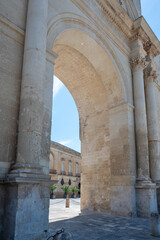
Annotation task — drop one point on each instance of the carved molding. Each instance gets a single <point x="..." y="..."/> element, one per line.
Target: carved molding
<point x="150" y="73"/>
<point x="119" y="20"/>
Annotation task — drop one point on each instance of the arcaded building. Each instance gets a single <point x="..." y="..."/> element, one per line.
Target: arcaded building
<point x="108" y="57"/>
<point x="65" y="168"/>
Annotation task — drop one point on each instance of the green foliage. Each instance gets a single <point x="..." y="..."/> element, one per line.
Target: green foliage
<point x="74" y="190"/>
<point x="66" y="189"/>
<point x="53" y="188"/>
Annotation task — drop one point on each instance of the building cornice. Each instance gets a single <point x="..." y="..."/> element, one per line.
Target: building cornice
<point x="63" y="148"/>
<point x="113" y="12"/>
<point x="142" y="30"/>
<point x="116" y="15"/>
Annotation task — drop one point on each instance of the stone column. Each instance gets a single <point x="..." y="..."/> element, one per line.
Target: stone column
<point x="26" y="206"/>
<point x="31" y="101"/>
<point x="47" y="111"/>
<point x="145" y="189"/>
<point x="138" y="64"/>
<point x="152" y="118"/>
<point x="153" y="128"/>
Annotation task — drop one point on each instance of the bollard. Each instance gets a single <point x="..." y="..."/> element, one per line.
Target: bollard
<point x="67" y="202"/>
<point x="155" y="224"/>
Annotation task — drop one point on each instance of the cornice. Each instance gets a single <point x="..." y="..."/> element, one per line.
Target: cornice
<point x="122" y="106"/>
<point x="116" y="15"/>
<point x="130" y="30"/>
<point x="10" y="30"/>
<point x="58" y="146"/>
<point x="141" y="30"/>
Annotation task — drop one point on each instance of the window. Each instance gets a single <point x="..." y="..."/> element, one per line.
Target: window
<point x="51" y="158"/>
<point x="62" y="167"/>
<point x="76" y="169"/>
<point x="70" y="169"/>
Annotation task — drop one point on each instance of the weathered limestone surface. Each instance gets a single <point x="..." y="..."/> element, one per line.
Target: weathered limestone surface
<point x="11" y="56"/>
<point x="89" y="46"/>
<point x="122" y="155"/>
<point x="26" y="211"/>
<point x="47" y="112"/>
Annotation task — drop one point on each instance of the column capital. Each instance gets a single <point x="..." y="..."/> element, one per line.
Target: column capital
<point x="150" y="74"/>
<point x="139" y="62"/>
<point x="150" y="71"/>
<point x="150" y="49"/>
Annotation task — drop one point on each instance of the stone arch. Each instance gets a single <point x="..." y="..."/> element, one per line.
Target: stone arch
<point x="90" y="69"/>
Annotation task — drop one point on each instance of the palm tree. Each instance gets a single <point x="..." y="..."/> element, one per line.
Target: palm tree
<point x="66" y="190"/>
<point x="53" y="188"/>
<point x="74" y="190"/>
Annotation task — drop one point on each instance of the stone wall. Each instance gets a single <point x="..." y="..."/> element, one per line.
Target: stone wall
<point x="11" y="58"/>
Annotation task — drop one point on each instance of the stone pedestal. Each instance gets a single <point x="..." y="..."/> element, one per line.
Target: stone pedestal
<point x="158" y="195"/>
<point x="26" y="207"/>
<point x="146" y="198"/>
<point x="155" y="225"/>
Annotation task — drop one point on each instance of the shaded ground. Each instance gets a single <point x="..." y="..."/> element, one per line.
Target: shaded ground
<point x="96" y="226"/>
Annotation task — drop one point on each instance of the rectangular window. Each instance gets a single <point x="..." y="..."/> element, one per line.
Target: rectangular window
<point x="62" y="167"/>
<point x="76" y="169"/>
<point x="70" y="168"/>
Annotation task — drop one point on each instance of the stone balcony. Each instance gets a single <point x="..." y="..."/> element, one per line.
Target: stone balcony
<point x="70" y="174"/>
<point x="53" y="171"/>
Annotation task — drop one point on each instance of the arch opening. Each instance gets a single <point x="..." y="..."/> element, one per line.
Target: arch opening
<point x="91" y="76"/>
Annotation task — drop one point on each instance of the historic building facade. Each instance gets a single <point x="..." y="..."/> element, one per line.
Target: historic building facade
<point x="108" y="57"/>
<point x="65" y="167"/>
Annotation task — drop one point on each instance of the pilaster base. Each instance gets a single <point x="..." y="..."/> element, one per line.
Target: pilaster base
<point x="26" y="207"/>
<point x="155" y="225"/>
<point x="146" y="199"/>
<point x="158" y="195"/>
<point x="123" y="201"/>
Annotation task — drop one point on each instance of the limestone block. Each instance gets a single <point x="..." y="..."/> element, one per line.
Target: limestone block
<point x="26" y="211"/>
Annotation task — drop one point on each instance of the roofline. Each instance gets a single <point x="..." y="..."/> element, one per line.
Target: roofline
<point x="64" y="148"/>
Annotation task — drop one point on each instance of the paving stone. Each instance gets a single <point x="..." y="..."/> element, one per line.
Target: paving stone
<point x="96" y="226"/>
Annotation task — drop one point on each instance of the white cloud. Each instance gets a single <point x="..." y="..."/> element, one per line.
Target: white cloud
<point x="65" y="142"/>
<point x="57" y="86"/>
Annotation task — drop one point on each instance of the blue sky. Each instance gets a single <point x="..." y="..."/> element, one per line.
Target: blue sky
<point x="65" y="119"/>
<point x="151" y="12"/>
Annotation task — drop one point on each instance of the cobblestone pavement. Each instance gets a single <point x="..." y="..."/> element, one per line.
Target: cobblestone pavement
<point x="96" y="226"/>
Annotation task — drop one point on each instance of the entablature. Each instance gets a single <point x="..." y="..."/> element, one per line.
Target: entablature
<point x="113" y="12"/>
